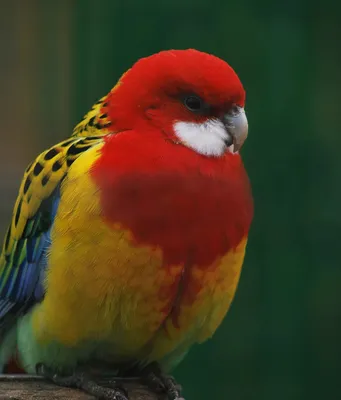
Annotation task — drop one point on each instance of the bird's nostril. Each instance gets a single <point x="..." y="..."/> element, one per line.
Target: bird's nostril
<point x="235" y="110"/>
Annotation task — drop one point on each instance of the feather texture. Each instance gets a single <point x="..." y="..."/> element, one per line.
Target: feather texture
<point x="23" y="257"/>
<point x="96" y="122"/>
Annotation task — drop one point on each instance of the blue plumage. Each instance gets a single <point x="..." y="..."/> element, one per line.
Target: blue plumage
<point x="22" y="284"/>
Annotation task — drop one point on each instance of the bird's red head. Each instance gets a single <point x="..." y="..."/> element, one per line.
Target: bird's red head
<point x="192" y="97"/>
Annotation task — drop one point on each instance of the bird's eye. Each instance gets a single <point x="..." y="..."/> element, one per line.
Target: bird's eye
<point x="193" y="103"/>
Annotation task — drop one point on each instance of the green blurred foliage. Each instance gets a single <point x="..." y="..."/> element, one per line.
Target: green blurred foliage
<point x="280" y="339"/>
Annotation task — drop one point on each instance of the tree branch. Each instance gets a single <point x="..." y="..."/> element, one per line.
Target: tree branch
<point x="23" y="387"/>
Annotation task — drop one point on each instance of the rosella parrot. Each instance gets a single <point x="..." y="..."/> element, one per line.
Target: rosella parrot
<point x="127" y="239"/>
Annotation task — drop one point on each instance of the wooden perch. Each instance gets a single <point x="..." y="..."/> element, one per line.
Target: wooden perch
<point x="28" y="387"/>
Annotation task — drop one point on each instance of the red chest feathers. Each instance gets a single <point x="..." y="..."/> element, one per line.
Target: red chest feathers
<point x="192" y="207"/>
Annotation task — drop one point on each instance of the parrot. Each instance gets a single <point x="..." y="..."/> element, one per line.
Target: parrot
<point x="127" y="239"/>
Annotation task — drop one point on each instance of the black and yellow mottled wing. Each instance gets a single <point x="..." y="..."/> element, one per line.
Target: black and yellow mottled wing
<point x="96" y="122"/>
<point x="23" y="258"/>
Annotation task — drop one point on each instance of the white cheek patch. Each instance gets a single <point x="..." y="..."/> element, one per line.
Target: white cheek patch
<point x="206" y="138"/>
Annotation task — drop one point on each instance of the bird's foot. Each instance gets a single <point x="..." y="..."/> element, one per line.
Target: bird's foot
<point x="84" y="382"/>
<point x="156" y="380"/>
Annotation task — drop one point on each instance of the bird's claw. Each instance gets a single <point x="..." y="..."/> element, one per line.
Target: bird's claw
<point x="160" y="382"/>
<point x="85" y="383"/>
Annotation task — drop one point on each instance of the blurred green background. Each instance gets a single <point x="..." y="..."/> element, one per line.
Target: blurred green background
<point x="281" y="338"/>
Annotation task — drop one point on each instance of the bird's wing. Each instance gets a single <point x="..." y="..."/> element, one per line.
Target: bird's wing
<point x="23" y="259"/>
<point x="96" y="122"/>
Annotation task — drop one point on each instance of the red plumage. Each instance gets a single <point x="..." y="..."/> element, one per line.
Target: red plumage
<point x="171" y="197"/>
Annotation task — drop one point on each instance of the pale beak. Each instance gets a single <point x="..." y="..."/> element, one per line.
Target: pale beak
<point x="236" y="126"/>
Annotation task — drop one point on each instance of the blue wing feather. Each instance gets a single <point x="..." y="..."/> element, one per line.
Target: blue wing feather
<point x="24" y="284"/>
